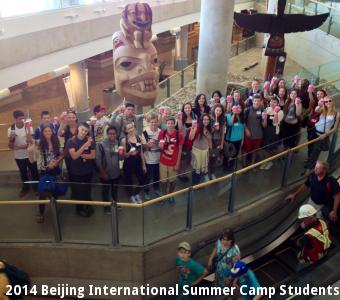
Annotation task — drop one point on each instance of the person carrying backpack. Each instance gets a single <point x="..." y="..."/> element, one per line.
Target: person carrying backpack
<point x="324" y="192"/>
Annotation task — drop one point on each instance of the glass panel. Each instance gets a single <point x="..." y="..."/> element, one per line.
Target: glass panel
<point x="77" y="223"/>
<point x="256" y="183"/>
<point x="162" y="93"/>
<point x="175" y="83"/>
<point x="165" y="218"/>
<point x="211" y="201"/>
<point x="188" y="74"/>
<point x="130" y="226"/>
<point x="19" y="223"/>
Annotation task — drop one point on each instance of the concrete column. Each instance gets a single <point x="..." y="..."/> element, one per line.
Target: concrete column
<point x="79" y="88"/>
<point x="216" y="25"/>
<point x="181" y="59"/>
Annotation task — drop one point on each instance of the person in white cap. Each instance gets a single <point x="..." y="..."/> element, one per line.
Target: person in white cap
<point x="316" y="240"/>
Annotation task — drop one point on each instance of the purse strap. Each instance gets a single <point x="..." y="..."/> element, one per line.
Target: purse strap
<point x="222" y="256"/>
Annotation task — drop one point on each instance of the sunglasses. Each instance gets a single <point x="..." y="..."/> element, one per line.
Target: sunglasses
<point x="328" y="101"/>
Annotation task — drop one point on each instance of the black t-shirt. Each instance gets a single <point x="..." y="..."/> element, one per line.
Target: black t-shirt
<point x="323" y="191"/>
<point x="80" y="166"/>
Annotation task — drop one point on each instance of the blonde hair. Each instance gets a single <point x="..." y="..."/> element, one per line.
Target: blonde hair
<point x="325" y="110"/>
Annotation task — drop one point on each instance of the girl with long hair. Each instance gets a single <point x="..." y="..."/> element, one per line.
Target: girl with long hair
<point x="186" y="119"/>
<point x="291" y="124"/>
<point x="201" y="106"/>
<point x="134" y="163"/>
<point x="218" y="130"/>
<point x="49" y="162"/>
<point x="327" y="124"/>
<point x="201" y="136"/>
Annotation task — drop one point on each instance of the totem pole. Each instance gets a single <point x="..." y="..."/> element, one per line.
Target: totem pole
<point x="277" y="26"/>
<point x="135" y="59"/>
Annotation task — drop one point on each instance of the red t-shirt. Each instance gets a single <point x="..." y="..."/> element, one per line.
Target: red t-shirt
<point x="169" y="154"/>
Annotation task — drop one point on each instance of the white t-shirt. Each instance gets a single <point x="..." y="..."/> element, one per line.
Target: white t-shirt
<point x="20" y="140"/>
<point x="151" y="155"/>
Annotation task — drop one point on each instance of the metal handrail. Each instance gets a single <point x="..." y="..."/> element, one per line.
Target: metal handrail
<point x="164" y="197"/>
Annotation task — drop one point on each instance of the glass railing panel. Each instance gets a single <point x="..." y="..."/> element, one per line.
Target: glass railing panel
<point x="77" y="223"/>
<point x="189" y="74"/>
<point x="162" y="93"/>
<point x="254" y="184"/>
<point x="19" y="223"/>
<point x="211" y="201"/>
<point x="175" y="82"/>
<point x="165" y="218"/>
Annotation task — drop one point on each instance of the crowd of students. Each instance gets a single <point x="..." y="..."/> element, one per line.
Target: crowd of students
<point x="201" y="137"/>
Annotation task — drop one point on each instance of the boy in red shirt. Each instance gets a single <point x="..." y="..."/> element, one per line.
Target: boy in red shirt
<point x="170" y="143"/>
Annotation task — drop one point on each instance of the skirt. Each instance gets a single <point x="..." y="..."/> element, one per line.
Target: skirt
<point x="200" y="160"/>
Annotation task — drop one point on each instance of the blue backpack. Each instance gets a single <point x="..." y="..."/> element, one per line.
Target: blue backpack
<point x="49" y="184"/>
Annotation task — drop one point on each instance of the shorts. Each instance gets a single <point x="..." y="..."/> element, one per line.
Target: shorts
<point x="250" y="145"/>
<point x="167" y="173"/>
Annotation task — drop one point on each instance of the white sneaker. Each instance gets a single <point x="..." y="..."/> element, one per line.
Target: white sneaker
<point x="133" y="199"/>
<point x="264" y="166"/>
<point x="269" y="165"/>
<point x="138" y="199"/>
<point x="206" y="177"/>
<point x="213" y="176"/>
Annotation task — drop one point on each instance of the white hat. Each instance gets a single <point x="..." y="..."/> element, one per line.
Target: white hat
<point x="306" y="211"/>
<point x="185" y="246"/>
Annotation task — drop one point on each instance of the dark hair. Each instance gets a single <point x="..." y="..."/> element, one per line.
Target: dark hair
<point x="221" y="118"/>
<point x="184" y="114"/>
<point x="129" y="105"/>
<point x="171" y="119"/>
<point x="111" y="128"/>
<point x="286" y="93"/>
<point x="257" y="96"/>
<point x="304" y="85"/>
<point x="43" y="144"/>
<point x="84" y="124"/>
<point x="229" y="235"/>
<point x="18" y="114"/>
<point x="196" y="105"/>
<point x="216" y="92"/>
<point x="323" y="91"/>
<point x="44" y="113"/>
<point x="201" y="126"/>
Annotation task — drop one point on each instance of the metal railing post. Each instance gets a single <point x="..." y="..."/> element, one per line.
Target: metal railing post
<point x="237" y="46"/>
<point x="290" y="6"/>
<point x="55" y="220"/>
<point x="168" y="88"/>
<point x="189" y="208"/>
<point x="182" y="78"/>
<point x="114" y="224"/>
<point x="329" y="25"/>
<point x="231" y="204"/>
<point x="195" y="70"/>
<point x="286" y="168"/>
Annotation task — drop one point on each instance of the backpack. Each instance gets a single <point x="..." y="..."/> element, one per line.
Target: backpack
<point x="16" y="277"/>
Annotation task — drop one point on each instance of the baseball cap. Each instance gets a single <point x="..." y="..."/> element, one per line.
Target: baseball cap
<point x="184" y="245"/>
<point x="98" y="108"/>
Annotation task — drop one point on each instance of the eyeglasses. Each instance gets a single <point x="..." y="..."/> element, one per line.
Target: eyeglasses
<point x="328" y="101"/>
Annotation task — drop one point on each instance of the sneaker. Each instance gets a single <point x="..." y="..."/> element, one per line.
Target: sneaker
<point x="138" y="199"/>
<point x="147" y="196"/>
<point x="263" y="166"/>
<point x="158" y="193"/>
<point x="172" y="201"/>
<point x="269" y="165"/>
<point x="23" y="193"/>
<point x="206" y="177"/>
<point x="213" y="176"/>
<point x="183" y="178"/>
<point x="133" y="199"/>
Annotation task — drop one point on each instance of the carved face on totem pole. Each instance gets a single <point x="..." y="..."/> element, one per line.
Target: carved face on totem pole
<point x="135" y="59"/>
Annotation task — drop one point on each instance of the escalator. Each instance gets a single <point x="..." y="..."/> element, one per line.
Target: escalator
<point x="272" y="253"/>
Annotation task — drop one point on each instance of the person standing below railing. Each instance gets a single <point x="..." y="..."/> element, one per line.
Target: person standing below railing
<point x="20" y="136"/>
<point x="99" y="123"/>
<point x="324" y="192"/>
<point x="108" y="153"/>
<point x="327" y="124"/>
<point x="45" y="122"/>
<point x="250" y="93"/>
<point x="151" y="152"/>
<point x="200" y="135"/>
<point x="50" y="158"/>
<point x="170" y="143"/>
<point x="254" y="121"/>
<point x="82" y="151"/>
<point x="201" y="106"/>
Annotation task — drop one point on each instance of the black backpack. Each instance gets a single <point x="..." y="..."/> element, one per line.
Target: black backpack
<point x="16" y="277"/>
<point x="177" y="136"/>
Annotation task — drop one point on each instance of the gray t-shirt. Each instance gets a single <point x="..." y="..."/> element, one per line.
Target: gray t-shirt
<point x="107" y="157"/>
<point x="254" y="123"/>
